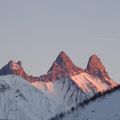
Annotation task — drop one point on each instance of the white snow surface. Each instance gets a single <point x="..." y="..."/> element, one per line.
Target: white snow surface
<point x="90" y="84"/>
<point x="105" y="108"/>
<point x="21" y="100"/>
<point x="63" y="91"/>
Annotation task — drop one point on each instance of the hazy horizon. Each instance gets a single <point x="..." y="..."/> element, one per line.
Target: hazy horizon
<point x="35" y="32"/>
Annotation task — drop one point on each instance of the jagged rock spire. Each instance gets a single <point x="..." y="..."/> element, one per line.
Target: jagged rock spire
<point x="63" y="66"/>
<point x="15" y="69"/>
<point x="96" y="68"/>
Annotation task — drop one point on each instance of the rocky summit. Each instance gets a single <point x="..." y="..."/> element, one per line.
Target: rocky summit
<point x="63" y="88"/>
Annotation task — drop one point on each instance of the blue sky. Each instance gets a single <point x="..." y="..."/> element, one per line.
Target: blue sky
<point x="35" y="31"/>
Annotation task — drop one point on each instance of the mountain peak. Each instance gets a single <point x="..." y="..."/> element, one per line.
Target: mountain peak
<point x="62" y="53"/>
<point x="95" y="67"/>
<point x="94" y="56"/>
<point x="62" y="59"/>
<point x="14" y="68"/>
<point x="63" y="67"/>
<point x="94" y="61"/>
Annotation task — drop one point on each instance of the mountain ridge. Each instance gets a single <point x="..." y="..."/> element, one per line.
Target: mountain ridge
<point x="61" y="67"/>
<point x="99" y="107"/>
<point x="62" y="88"/>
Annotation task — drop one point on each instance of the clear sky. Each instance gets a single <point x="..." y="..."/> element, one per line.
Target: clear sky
<point x="35" y="31"/>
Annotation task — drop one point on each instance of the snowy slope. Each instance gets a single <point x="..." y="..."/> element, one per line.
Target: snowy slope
<point x="72" y="91"/>
<point x="61" y="89"/>
<point x="64" y="91"/>
<point x="91" y="85"/>
<point x="105" y="108"/>
<point x="80" y="86"/>
<point x="39" y="100"/>
<point x="19" y="100"/>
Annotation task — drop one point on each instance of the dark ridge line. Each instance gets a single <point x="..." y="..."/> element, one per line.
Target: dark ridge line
<point x="86" y="102"/>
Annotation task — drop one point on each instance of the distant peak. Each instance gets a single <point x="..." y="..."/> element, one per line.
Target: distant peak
<point x="19" y="63"/>
<point x="14" y="68"/>
<point x="62" y="53"/>
<point x="10" y="62"/>
<point x="94" y="57"/>
<point x="95" y="67"/>
<point x="63" y="66"/>
<point x="14" y="65"/>
<point x="62" y="57"/>
<point x="94" y="61"/>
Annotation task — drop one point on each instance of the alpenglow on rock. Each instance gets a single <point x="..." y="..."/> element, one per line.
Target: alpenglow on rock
<point x="15" y="69"/>
<point x="63" y="87"/>
<point x="96" y="68"/>
<point x="63" y="67"/>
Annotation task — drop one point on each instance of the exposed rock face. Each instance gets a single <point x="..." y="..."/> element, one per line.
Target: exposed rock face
<point x="96" y="68"/>
<point x="14" y="68"/>
<point x="62" y="67"/>
<point x="22" y="100"/>
<point x="63" y="63"/>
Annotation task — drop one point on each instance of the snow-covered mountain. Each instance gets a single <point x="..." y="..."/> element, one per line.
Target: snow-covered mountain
<point x="63" y="87"/>
<point x="62" y="67"/>
<point x="19" y="100"/>
<point x="91" y="80"/>
<point x="103" y="108"/>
